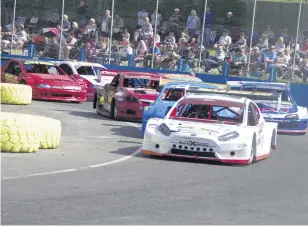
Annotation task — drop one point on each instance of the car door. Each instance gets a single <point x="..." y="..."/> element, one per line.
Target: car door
<point x="254" y="112"/>
<point x="109" y="92"/>
<point x="11" y="73"/>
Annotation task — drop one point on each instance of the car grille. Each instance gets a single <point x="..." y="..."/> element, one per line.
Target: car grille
<point x="205" y="154"/>
<point x="61" y="95"/>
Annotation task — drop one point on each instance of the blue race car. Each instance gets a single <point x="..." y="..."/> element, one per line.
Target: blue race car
<point x="290" y="117"/>
<point x="169" y="95"/>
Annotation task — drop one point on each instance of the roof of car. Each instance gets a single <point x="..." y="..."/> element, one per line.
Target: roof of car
<point x="81" y="63"/>
<point x="30" y="61"/>
<point x="132" y="73"/>
<point x="218" y="97"/>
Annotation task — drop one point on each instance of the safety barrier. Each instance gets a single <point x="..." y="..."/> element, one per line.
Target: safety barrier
<point x="299" y="91"/>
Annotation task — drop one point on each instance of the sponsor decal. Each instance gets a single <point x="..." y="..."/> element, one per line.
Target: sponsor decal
<point x="243" y="145"/>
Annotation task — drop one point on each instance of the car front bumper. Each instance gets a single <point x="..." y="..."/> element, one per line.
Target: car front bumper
<point x="59" y="95"/>
<point x="290" y="126"/>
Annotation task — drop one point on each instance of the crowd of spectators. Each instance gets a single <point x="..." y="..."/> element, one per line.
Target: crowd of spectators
<point x="172" y="41"/>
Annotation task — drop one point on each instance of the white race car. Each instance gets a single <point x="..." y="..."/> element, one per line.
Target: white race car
<point x="212" y="126"/>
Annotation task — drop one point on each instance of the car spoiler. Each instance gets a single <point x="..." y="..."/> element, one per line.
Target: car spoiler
<point x="236" y="93"/>
<point x="240" y="83"/>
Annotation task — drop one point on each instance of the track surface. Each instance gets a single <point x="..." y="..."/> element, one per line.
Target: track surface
<point x="142" y="190"/>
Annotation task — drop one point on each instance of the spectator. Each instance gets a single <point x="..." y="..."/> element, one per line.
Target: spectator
<point x="66" y="24"/>
<point x="270" y="34"/>
<point x="20" y="36"/>
<point x="183" y="38"/>
<point x="283" y="61"/>
<point x="127" y="49"/>
<point x="303" y="52"/>
<point x="304" y="68"/>
<point x="153" y="18"/>
<point x="157" y="54"/>
<point x="271" y="56"/>
<point x="106" y="24"/>
<point x="69" y="44"/>
<point x="81" y="14"/>
<point x="241" y="42"/>
<point x="142" y="15"/>
<point x="147" y="29"/>
<point x="256" y="60"/>
<point x="286" y="35"/>
<point x="239" y="59"/>
<point x="174" y="21"/>
<point x="75" y="29"/>
<point x="215" y="60"/>
<point x="263" y="43"/>
<point x="52" y="49"/>
<point x="170" y="40"/>
<point x="90" y="29"/>
<point x="141" y="49"/>
<point x="280" y="46"/>
<point x="225" y="40"/>
<point x="229" y="21"/>
<point x="193" y="24"/>
<point x="208" y="25"/>
<point x="118" y="26"/>
<point x="126" y="35"/>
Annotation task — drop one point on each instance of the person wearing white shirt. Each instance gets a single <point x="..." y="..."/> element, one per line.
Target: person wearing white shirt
<point x="225" y="40"/>
<point x="141" y="17"/>
<point x="153" y="18"/>
<point x="280" y="46"/>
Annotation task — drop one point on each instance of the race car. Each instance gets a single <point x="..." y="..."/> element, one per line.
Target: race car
<point x="212" y="126"/>
<point x="47" y="80"/>
<point x="165" y="78"/>
<point x="169" y="95"/>
<point x="127" y="95"/>
<point x="290" y="117"/>
<point x="92" y="74"/>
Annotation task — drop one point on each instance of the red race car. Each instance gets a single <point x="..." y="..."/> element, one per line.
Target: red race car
<point x="127" y="95"/>
<point x="47" y="80"/>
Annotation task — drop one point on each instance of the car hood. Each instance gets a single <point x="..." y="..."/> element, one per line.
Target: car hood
<point x="276" y="107"/>
<point x="61" y="80"/>
<point x="211" y="129"/>
<point x="94" y="80"/>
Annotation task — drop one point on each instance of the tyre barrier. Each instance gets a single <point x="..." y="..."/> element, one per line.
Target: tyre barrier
<point x="15" y="94"/>
<point x="28" y="133"/>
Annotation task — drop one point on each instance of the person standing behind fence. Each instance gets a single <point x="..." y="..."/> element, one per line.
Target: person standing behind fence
<point x="208" y="26"/>
<point x="193" y="24"/>
<point x="106" y="24"/>
<point x="81" y="14"/>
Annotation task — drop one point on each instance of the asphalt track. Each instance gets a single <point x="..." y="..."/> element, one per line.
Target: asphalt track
<point x="97" y="176"/>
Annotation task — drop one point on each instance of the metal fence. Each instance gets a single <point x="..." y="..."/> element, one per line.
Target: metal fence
<point x="152" y="34"/>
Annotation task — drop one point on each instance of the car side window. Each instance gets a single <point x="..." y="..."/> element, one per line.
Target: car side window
<point x="251" y="116"/>
<point x="11" y="68"/>
<point x="256" y="112"/>
<point x="66" y="68"/>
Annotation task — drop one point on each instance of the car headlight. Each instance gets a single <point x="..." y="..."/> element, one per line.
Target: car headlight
<point x="164" y="129"/>
<point x="77" y="88"/>
<point x="43" y="86"/>
<point x="130" y="98"/>
<point x="229" y="136"/>
<point x="292" y="116"/>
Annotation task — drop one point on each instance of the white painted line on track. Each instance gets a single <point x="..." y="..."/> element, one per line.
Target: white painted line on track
<point x="77" y="169"/>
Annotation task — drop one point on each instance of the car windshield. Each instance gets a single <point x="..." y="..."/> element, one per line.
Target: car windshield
<point x="284" y="94"/>
<point x="209" y="113"/>
<point x="173" y="94"/>
<point x="41" y="68"/>
<point x="131" y="82"/>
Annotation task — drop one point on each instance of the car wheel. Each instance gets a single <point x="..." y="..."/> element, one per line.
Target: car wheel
<point x="272" y="142"/>
<point x="253" y="151"/>
<point x="114" y="110"/>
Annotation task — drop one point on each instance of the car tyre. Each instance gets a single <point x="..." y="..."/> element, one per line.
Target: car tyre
<point x="114" y="110"/>
<point x="253" y="151"/>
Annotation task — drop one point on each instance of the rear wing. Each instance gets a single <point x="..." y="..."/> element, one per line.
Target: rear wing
<point x="238" y="84"/>
<point x="235" y="93"/>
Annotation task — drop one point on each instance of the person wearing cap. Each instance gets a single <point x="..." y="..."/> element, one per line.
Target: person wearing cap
<point x="141" y="15"/>
<point x="256" y="60"/>
<point x="270" y="56"/>
<point x="174" y="21"/>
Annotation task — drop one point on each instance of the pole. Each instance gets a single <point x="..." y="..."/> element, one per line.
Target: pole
<point x="251" y="36"/>
<point x="296" y="38"/>
<point x="111" y="28"/>
<point x="13" y="26"/>
<point x="202" y="33"/>
<point x="61" y="29"/>
<point x="154" y="36"/>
